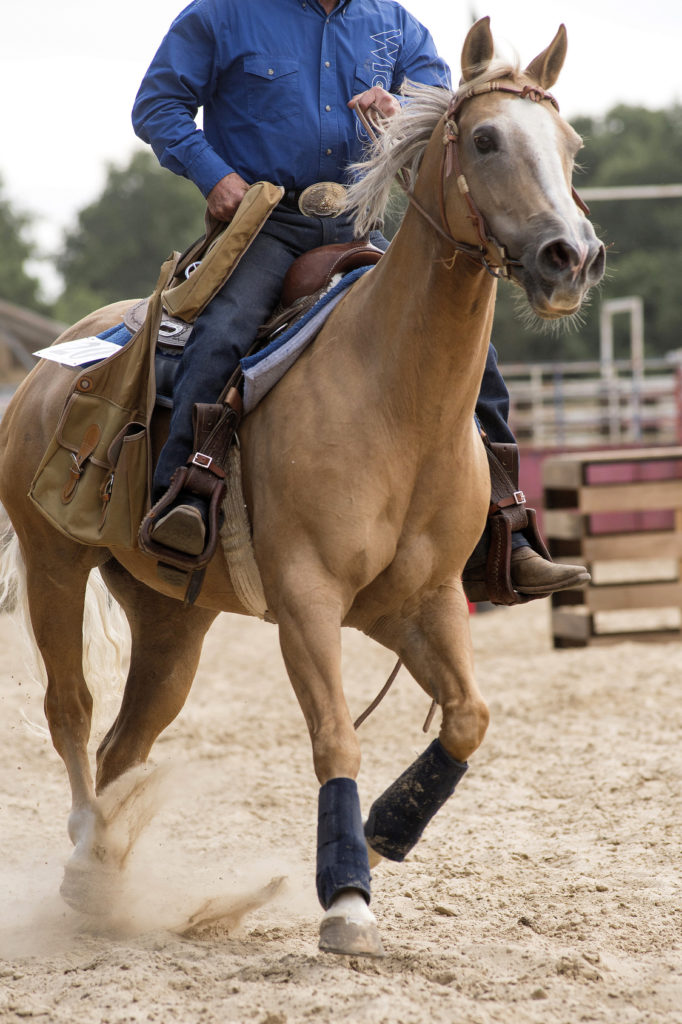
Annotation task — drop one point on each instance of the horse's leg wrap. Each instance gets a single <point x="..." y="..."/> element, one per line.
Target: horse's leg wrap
<point x="342" y="861"/>
<point x="400" y="815"/>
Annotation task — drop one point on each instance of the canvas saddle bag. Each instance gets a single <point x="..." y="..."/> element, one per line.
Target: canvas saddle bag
<point x="93" y="483"/>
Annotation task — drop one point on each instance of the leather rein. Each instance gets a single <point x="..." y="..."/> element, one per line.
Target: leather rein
<point x="489" y="253"/>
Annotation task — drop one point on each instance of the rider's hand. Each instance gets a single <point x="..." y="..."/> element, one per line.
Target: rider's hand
<point x="225" y="197"/>
<point x="385" y="102"/>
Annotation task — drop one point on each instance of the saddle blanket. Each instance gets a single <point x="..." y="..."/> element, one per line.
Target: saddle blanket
<point x="261" y="370"/>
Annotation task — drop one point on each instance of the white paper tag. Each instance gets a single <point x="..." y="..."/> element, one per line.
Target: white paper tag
<point x="79" y="351"/>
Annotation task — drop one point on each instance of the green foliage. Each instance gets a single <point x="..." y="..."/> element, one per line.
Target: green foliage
<point x="121" y="239"/>
<point x="16" y="284"/>
<point x="629" y="146"/>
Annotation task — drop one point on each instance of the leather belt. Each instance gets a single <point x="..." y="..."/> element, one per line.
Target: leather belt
<point x="322" y="199"/>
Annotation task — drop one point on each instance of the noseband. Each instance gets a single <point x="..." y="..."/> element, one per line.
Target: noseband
<point x="489" y="253"/>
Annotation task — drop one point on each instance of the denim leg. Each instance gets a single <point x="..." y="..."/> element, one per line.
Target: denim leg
<point x="227" y="327"/>
<point x="492" y="407"/>
<point x="221" y="336"/>
<point x="492" y="411"/>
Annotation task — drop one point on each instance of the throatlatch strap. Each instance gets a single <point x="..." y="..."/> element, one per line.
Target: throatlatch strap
<point x="398" y="818"/>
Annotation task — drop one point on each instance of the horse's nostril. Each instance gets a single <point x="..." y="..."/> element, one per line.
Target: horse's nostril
<point x="557" y="257"/>
<point x="595" y="271"/>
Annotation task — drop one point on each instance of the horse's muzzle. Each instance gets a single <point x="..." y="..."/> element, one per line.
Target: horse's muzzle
<point x="558" y="276"/>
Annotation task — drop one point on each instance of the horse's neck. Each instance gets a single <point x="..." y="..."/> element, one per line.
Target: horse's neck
<point x="433" y="317"/>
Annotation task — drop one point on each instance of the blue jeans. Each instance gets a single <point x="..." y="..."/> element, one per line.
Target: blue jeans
<point x="226" y="329"/>
<point x="492" y="411"/>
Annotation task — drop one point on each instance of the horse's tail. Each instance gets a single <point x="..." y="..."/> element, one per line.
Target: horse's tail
<point x="13" y="592"/>
<point x="106" y="637"/>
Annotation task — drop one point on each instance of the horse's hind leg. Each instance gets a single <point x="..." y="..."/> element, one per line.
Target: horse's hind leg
<point x="167" y="638"/>
<point x="435" y="646"/>
<point x="56" y="579"/>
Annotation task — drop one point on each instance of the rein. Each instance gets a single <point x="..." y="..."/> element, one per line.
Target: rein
<point x="489" y="253"/>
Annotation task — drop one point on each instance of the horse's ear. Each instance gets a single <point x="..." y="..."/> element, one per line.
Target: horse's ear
<point x="546" y="67"/>
<point x="478" y="49"/>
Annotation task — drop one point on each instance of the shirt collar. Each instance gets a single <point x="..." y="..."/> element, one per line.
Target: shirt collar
<point x="337" y="10"/>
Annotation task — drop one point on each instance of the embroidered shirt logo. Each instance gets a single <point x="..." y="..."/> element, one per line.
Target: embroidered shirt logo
<point x="384" y="56"/>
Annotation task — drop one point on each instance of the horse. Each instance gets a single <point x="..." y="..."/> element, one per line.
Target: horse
<point x="364" y="475"/>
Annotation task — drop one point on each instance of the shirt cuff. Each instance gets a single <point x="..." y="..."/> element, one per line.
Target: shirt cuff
<point x="207" y="169"/>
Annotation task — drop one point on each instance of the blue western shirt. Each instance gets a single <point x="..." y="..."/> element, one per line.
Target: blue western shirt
<point x="273" y="78"/>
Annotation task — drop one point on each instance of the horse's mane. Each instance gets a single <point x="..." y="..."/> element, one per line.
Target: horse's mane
<point x="401" y="144"/>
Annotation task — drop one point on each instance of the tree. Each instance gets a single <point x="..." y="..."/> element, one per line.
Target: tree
<point x="121" y="239"/>
<point x="16" y="284"/>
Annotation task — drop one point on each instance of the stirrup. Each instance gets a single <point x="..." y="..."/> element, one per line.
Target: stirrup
<point x="507" y="514"/>
<point x="181" y="481"/>
<point x="203" y="475"/>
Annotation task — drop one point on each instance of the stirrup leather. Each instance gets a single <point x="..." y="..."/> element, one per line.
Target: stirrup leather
<point x="508" y="513"/>
<point x="215" y="426"/>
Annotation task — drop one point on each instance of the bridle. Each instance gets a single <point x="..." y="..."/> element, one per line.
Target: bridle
<point x="488" y="252"/>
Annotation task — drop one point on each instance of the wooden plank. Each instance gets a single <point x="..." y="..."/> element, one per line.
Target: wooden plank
<point x="601" y="456"/>
<point x="621" y="596"/>
<point x="630" y="546"/>
<point x="572" y="626"/>
<point x="562" y="473"/>
<point x="567" y="471"/>
<point x="634" y="496"/>
<point x="563" y="598"/>
<point x="630" y="455"/>
<point x="562" y="525"/>
<point x="648" y="636"/>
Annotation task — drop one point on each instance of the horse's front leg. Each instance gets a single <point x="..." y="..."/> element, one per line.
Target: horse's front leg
<point x="435" y="645"/>
<point x="310" y="637"/>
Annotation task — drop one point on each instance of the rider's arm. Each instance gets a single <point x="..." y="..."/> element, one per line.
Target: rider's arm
<point x="177" y="83"/>
<point x="419" y="60"/>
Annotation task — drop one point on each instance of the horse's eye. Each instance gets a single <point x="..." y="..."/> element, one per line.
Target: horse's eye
<point x="484" y="143"/>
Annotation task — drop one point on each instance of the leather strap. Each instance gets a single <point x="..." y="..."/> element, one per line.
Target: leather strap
<point x="508" y="514"/>
<point x="204" y="475"/>
<point x="79" y="458"/>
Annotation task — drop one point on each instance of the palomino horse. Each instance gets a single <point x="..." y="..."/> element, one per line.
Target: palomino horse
<point x="364" y="476"/>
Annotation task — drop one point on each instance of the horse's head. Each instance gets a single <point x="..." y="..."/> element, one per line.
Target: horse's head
<point x="506" y="142"/>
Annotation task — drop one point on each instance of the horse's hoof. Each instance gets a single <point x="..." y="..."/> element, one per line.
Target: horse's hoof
<point x="338" y="935"/>
<point x="90" y="887"/>
<point x="349" y="927"/>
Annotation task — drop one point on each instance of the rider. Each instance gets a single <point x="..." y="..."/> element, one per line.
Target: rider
<point x="278" y="81"/>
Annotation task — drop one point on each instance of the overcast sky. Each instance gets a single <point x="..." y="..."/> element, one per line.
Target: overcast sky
<point x="69" y="70"/>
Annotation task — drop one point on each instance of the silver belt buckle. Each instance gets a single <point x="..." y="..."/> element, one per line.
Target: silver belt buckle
<point x="323" y="199"/>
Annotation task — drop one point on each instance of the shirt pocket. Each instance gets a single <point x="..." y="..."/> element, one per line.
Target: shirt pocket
<point x="366" y="76"/>
<point x="273" y="88"/>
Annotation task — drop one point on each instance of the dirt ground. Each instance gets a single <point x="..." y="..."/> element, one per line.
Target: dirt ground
<point x="548" y="889"/>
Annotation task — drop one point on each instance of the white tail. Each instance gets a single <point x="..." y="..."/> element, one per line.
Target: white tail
<point x="106" y="637"/>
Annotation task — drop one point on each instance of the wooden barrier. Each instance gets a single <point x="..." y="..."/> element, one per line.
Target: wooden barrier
<point x="619" y="513"/>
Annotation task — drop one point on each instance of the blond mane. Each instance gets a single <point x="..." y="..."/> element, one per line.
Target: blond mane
<point x="401" y="144"/>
